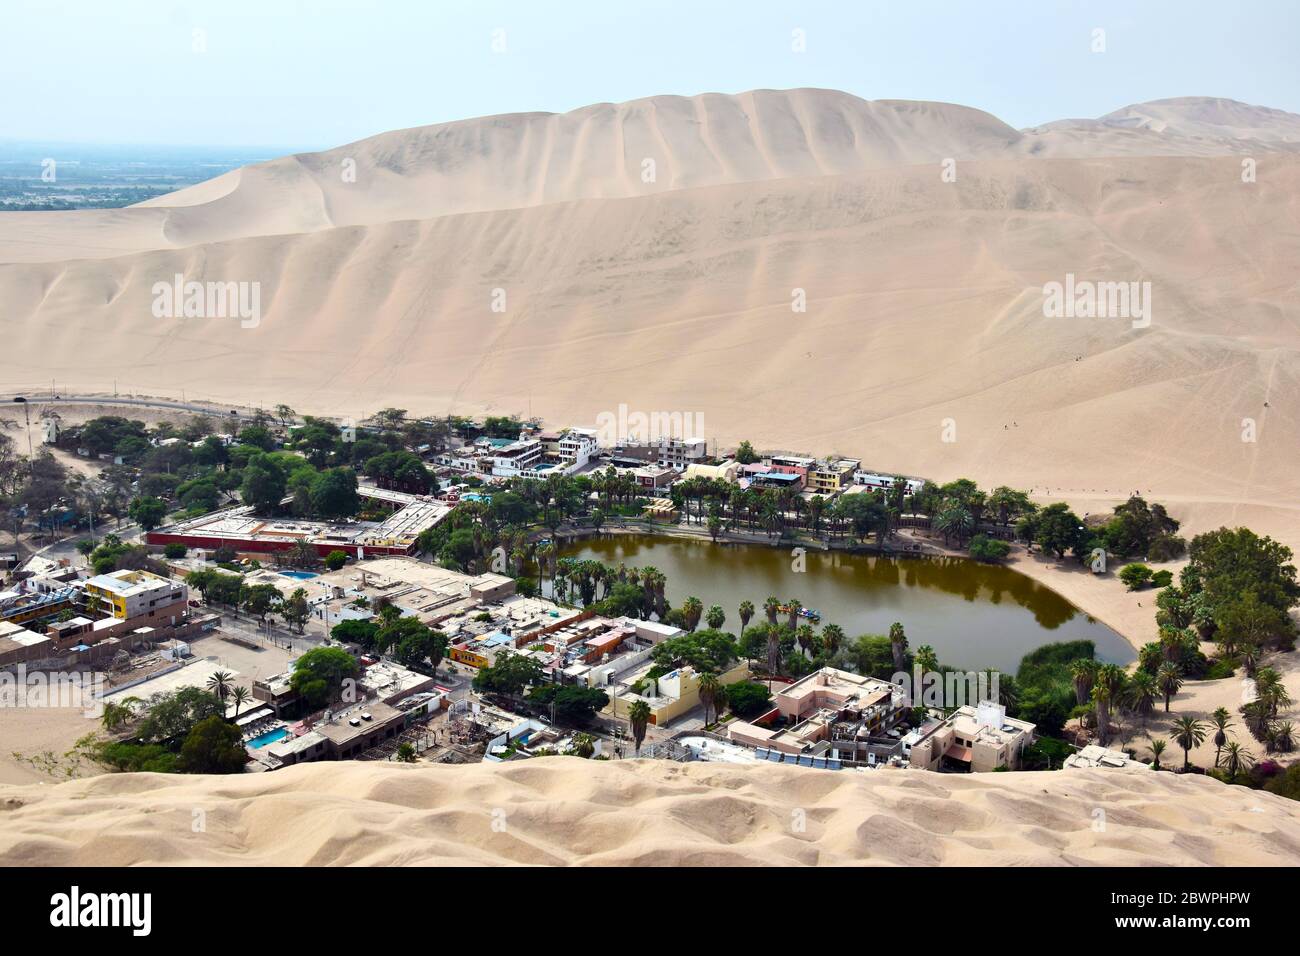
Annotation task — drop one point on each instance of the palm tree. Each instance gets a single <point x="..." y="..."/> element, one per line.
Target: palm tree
<point x="1188" y="733"/>
<point x="638" y="715"/>
<point x="117" y="715"/>
<point x="897" y="644"/>
<point x="746" y="612"/>
<point x="708" y="694"/>
<point x="833" y="635"/>
<point x="1158" y="746"/>
<point x="926" y="658"/>
<point x="773" y="653"/>
<point x="1270" y="689"/>
<point x="692" y="609"/>
<point x="955" y="520"/>
<point x="1142" y="693"/>
<point x="1084" y="674"/>
<point x="794" y="607"/>
<point x="1222" y="720"/>
<point x="770" y="607"/>
<point x="219" y="683"/>
<point x="240" y="696"/>
<point x="1108" y="690"/>
<point x="1258" y="720"/>
<point x="716" y="616"/>
<point x="1282" y="738"/>
<point x="1236" y="758"/>
<point x="1251" y="651"/>
<point x="1170" y="681"/>
<point x="1101" y="706"/>
<point x="804" y="635"/>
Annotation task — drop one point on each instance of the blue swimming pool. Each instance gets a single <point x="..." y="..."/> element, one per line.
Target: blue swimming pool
<point x="300" y="575"/>
<point x="270" y="737"/>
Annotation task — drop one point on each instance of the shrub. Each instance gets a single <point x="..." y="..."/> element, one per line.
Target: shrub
<point x="1286" y="784"/>
<point x="1135" y="576"/>
<point x="1219" y="669"/>
<point x="983" y="548"/>
<point x="1162" y="579"/>
<point x="335" y="560"/>
<point x="747" y="698"/>
<point x="1167" y="547"/>
<point x="175" y="550"/>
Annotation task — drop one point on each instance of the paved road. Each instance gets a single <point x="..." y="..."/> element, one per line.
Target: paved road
<point x="197" y="408"/>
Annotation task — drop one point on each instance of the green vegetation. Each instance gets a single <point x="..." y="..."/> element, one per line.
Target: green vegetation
<point x="748" y="698"/>
<point x="573" y="705"/>
<point x="180" y="732"/>
<point x="320" y="675"/>
<point x="1135" y="576"/>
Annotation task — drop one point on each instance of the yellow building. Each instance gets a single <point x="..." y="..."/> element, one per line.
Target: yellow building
<point x="671" y="696"/>
<point x="828" y="477"/>
<point x="131" y="594"/>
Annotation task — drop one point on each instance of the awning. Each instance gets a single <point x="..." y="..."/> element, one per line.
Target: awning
<point x="958" y="753"/>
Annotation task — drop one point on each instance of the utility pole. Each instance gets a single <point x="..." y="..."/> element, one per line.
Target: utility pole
<point x="27" y="419"/>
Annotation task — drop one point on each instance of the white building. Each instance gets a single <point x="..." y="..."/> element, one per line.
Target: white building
<point x="885" y="482"/>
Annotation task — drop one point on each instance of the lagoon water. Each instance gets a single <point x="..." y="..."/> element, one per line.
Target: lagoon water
<point x="974" y="615"/>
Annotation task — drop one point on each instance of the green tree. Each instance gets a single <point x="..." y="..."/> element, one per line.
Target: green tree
<point x="1189" y="733"/>
<point x="319" y="675"/>
<point x="1222" y="720"/>
<point x="1170" y="681"/>
<point x="1158" y="746"/>
<point x="295" y="610"/>
<point x="692" y="609"/>
<point x="148" y="512"/>
<point x="240" y="696"/>
<point x="213" y="746"/>
<point x="748" y="698"/>
<point x="509" y="674"/>
<point x="638" y="717"/>
<point x="1135" y="576"/>
<point x="334" y="494"/>
<point x="362" y="633"/>
<point x="264" y="483"/>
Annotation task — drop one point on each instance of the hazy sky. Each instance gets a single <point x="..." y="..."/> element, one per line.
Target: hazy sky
<point x="316" y="73"/>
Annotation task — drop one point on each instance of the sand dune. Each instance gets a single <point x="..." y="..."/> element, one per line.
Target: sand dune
<point x="924" y="296"/>
<point x="562" y="811"/>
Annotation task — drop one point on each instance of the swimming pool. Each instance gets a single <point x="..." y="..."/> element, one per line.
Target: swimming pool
<point x="270" y="737"/>
<point x="300" y="575"/>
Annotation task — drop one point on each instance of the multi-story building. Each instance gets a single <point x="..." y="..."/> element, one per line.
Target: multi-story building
<point x="970" y="739"/>
<point x="791" y="464"/>
<point x="128" y="595"/>
<point x="832" y="715"/>
<point x="575" y="448"/>
<point x="830" y="476"/>
<point x="506" y="459"/>
<point x="677" y="453"/>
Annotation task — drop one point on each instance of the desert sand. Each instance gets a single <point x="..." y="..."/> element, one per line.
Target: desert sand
<point x="924" y="297"/>
<point x="560" y="810"/>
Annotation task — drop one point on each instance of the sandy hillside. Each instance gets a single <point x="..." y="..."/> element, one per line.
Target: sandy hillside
<point x="560" y="811"/>
<point x="924" y="296"/>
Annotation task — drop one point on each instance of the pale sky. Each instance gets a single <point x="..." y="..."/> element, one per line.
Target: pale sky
<point x="307" y="74"/>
